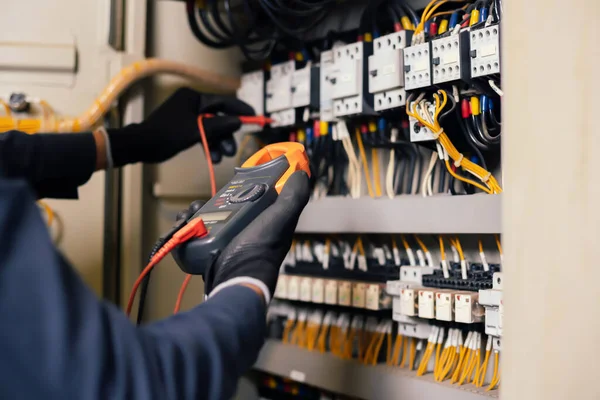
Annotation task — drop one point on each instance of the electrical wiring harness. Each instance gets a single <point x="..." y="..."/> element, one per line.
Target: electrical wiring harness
<point x="420" y="111"/>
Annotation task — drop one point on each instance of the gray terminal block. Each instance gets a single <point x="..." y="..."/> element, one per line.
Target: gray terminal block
<point x="417" y="66"/>
<point x="485" y="51"/>
<point x="450" y="58"/>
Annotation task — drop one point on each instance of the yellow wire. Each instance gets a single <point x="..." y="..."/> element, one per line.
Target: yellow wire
<point x="459" y="248"/>
<point x="442" y="363"/>
<point x="459" y="365"/>
<point x="480" y="246"/>
<point x="466" y="180"/>
<point x="498" y="243"/>
<point x="375" y="355"/>
<point x="442" y="251"/>
<point x="363" y="157"/>
<point x="286" y="330"/>
<point x="322" y="337"/>
<point x="404" y="242"/>
<point x="389" y="355"/>
<point x="404" y="353"/>
<point x="496" y="376"/>
<point x="484" y="175"/>
<point x="413" y="353"/>
<point x="397" y="349"/>
<point x="449" y="362"/>
<point x="483" y="370"/>
<point x="359" y="246"/>
<point x="421" y="244"/>
<point x="49" y="212"/>
<point x="376" y="175"/>
<point x="437" y="358"/>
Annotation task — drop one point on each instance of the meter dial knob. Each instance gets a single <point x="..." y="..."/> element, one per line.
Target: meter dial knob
<point x="249" y="193"/>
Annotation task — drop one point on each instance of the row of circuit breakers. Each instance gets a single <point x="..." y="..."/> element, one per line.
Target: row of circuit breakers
<point x="364" y="78"/>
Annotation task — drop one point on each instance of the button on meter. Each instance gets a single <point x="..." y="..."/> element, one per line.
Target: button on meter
<point x="248" y="193"/>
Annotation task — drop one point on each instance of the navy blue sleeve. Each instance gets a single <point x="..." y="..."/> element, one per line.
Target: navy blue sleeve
<point x="58" y="341"/>
<point x="54" y="164"/>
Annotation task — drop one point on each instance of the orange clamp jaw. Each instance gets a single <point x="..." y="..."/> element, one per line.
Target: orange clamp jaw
<point x="294" y="152"/>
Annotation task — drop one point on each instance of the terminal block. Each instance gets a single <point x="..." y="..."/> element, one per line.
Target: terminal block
<point x="450" y="58"/>
<point x="283" y="118"/>
<point x="386" y="71"/>
<point x="485" y="51"/>
<point x="350" y="89"/>
<point x="418" y="330"/>
<point x="477" y="278"/>
<point x="419" y="132"/>
<point x="252" y="90"/>
<point x="417" y="66"/>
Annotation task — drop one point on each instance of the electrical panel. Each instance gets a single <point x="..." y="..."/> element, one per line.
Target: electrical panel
<point x="386" y="71"/>
<point x="417" y="66"/>
<point x="450" y="58"/>
<point x="485" y="51"/>
<point x="350" y="91"/>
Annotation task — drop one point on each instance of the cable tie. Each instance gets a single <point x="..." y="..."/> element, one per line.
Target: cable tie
<point x="437" y="134"/>
<point x="459" y="160"/>
<point x="486" y="178"/>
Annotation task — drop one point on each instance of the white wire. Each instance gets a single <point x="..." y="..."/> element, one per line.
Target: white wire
<point x="496" y="88"/>
<point x="389" y="176"/>
<point x="427" y="179"/>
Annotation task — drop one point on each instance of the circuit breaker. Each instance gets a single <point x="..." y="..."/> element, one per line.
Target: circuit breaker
<point x="279" y="87"/>
<point x="252" y="90"/>
<point x="386" y="71"/>
<point x="326" y="87"/>
<point x="417" y="66"/>
<point x="350" y="90"/>
<point x="305" y="87"/>
<point x="450" y="58"/>
<point x="485" y="51"/>
<point x="278" y="102"/>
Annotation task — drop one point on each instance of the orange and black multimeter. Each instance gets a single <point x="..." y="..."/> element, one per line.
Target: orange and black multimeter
<point x="253" y="188"/>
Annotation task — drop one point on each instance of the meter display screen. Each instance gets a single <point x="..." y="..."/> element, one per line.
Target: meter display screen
<point x="215" y="216"/>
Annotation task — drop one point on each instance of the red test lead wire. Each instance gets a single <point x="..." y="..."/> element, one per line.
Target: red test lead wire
<point x="213" y="191"/>
<point x="193" y="229"/>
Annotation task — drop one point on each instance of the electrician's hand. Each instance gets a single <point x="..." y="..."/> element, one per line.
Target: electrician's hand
<point x="255" y="256"/>
<point x="173" y="127"/>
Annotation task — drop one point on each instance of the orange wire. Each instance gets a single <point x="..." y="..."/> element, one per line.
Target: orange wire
<point x="213" y="191"/>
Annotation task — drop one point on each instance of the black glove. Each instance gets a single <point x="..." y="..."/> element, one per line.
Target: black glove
<point x="256" y="254"/>
<point x="173" y="127"/>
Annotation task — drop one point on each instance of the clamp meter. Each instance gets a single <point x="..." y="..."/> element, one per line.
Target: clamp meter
<point x="253" y="188"/>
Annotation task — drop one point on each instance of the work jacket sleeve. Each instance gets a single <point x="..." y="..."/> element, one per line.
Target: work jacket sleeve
<point x="54" y="164"/>
<point x="58" y="341"/>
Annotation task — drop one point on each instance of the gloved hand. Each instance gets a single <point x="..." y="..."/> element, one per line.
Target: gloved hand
<point x="173" y="127"/>
<point x="256" y="254"/>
